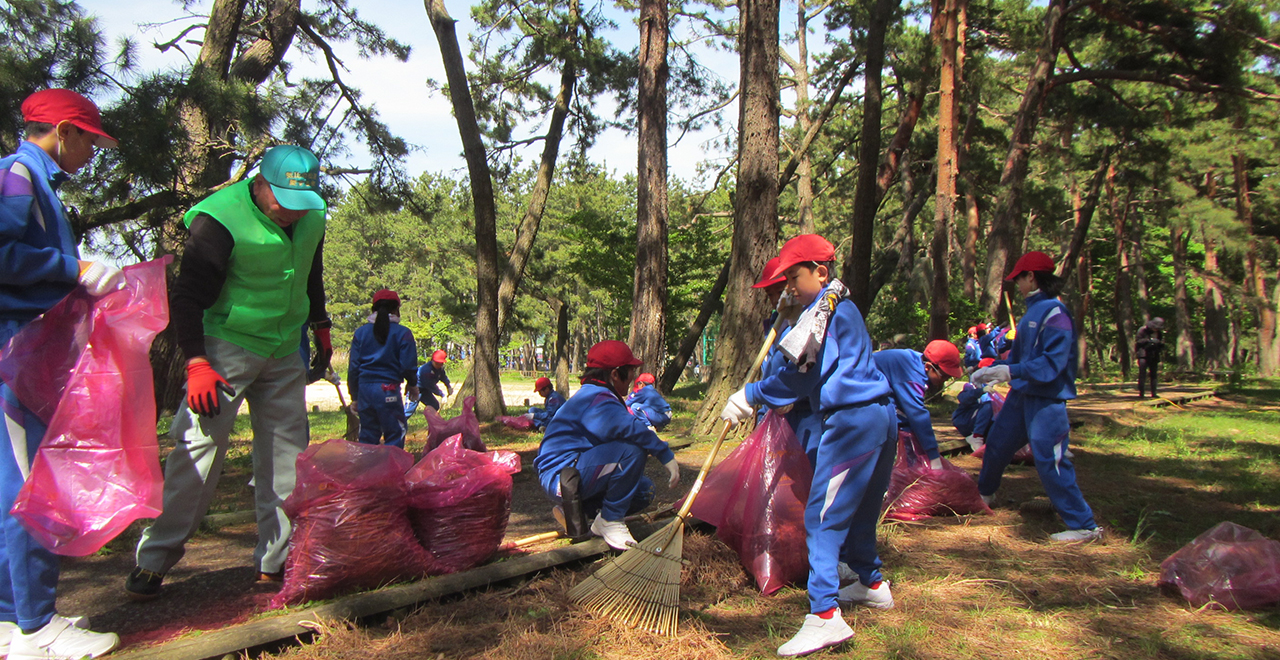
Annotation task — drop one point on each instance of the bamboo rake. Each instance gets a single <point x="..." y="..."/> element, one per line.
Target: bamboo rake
<point x="641" y="587"/>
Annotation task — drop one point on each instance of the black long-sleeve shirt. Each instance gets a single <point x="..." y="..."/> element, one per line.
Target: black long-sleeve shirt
<point x="203" y="272"/>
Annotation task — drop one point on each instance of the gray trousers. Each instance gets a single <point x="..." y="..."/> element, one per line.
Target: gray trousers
<point x="276" y="392"/>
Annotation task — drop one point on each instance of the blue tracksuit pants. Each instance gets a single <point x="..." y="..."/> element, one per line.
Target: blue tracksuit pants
<point x="381" y="414"/>
<point x="852" y="462"/>
<point x="612" y="480"/>
<point x="1042" y="422"/>
<point x="29" y="576"/>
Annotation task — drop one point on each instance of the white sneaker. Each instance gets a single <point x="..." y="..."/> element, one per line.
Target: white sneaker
<point x="877" y="595"/>
<point x="1077" y="535"/>
<point x="61" y="640"/>
<point x="846" y="574"/>
<point x="989" y="500"/>
<point x="9" y="628"/>
<point x="614" y="532"/>
<point x="817" y="633"/>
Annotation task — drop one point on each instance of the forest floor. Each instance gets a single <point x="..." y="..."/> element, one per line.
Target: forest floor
<point x="970" y="587"/>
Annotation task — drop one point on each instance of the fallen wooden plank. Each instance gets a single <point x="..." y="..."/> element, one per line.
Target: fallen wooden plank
<point x="215" y="644"/>
<point x="1178" y="399"/>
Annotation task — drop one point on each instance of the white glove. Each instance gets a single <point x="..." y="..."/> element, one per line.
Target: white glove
<point x="414" y="394"/>
<point x="736" y="408"/>
<point x="673" y="469"/>
<point x="100" y="278"/>
<point x="974" y="442"/>
<point x="991" y="375"/>
<point x="935" y="464"/>
<point x="528" y="416"/>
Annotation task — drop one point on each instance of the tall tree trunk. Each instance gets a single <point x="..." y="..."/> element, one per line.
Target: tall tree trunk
<point x="1003" y="237"/>
<point x="1084" y="283"/>
<point x="1179" y="237"/>
<point x="1083" y="212"/>
<point x="1268" y="358"/>
<point x="1124" y="290"/>
<point x="755" y="222"/>
<point x="1140" y="274"/>
<point x="561" y="364"/>
<point x="944" y="202"/>
<point x="804" y="172"/>
<point x="1217" y="354"/>
<point x="649" y="299"/>
<point x="484" y="365"/>
<point x="529" y="224"/>
<point x="857" y="269"/>
<point x="693" y="334"/>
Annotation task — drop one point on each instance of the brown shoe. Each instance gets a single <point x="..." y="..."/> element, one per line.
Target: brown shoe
<point x="278" y="576"/>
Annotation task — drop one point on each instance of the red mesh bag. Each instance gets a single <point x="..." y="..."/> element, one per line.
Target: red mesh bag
<point x="350" y="523"/>
<point x="83" y="368"/>
<point x="1229" y="567"/>
<point x="459" y="503"/>
<point x="518" y="423"/>
<point x="917" y="491"/>
<point x="756" y="499"/>
<point x="440" y="429"/>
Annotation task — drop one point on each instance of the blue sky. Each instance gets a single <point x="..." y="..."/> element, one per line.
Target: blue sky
<point x="399" y="89"/>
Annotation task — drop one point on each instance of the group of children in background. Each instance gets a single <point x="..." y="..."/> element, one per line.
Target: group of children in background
<point x="844" y="402"/>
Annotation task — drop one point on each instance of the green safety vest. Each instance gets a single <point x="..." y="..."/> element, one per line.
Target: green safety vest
<point x="264" y="302"/>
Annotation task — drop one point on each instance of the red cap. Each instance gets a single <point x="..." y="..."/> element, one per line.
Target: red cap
<point x="611" y="353"/>
<point x="541" y="383"/>
<point x="945" y="355"/>
<point x="386" y="294"/>
<point x="973" y="329"/>
<point x="982" y="327"/>
<point x="439" y="356"/>
<point x="52" y="106"/>
<point x="765" y="281"/>
<point x="1029" y="263"/>
<point x="802" y="249"/>
<point x="986" y="362"/>
<point x="641" y="381"/>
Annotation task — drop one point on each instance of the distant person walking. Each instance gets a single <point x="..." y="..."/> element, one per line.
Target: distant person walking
<point x="1150" y="344"/>
<point x="383" y="355"/>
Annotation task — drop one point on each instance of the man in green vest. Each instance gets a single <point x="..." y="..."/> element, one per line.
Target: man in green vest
<point x="250" y="277"/>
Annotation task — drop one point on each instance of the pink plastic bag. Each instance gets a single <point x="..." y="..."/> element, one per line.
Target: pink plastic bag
<point x="459" y="503"/>
<point x="83" y="367"/>
<point x="1229" y="567"/>
<point x="517" y="423"/>
<point x="917" y="491"/>
<point x="440" y="429"/>
<point x="350" y="523"/>
<point x="756" y="499"/>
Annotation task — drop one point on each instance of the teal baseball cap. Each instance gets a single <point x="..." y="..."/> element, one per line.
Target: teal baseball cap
<point x="294" y="175"/>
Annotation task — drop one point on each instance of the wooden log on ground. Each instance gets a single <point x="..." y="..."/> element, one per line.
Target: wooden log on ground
<point x="216" y="644"/>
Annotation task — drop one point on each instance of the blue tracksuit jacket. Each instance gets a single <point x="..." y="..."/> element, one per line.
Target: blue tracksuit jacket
<point x="907" y="378"/>
<point x="972" y="352"/>
<point x="543" y="415"/>
<point x="374" y="374"/>
<point x="973" y="414"/>
<point x="428" y="377"/>
<point x="648" y="404"/>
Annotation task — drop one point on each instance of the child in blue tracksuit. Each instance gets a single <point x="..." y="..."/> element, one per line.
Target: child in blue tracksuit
<point x="594" y="450"/>
<point x="551" y="402"/>
<point x="429" y="375"/>
<point x="829" y="363"/>
<point x="806" y="425"/>
<point x="972" y="349"/>
<point x="383" y="354"/>
<point x="1041" y="372"/>
<point x="39" y="265"/>
<point x="972" y="417"/>
<point x="647" y="403"/>
<point x="910" y="376"/>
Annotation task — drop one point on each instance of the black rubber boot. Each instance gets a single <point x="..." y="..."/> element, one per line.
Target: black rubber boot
<point x="575" y="524"/>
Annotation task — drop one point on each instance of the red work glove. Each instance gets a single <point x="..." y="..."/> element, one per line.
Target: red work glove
<point x="203" y="385"/>
<point x="320" y="361"/>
